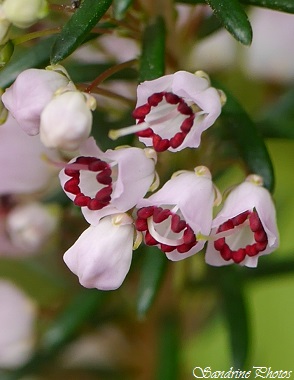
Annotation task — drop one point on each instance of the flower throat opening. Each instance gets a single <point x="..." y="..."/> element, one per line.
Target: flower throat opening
<point x="165" y="229"/>
<point x="87" y="175"/>
<point x="164" y="107"/>
<point x="257" y="234"/>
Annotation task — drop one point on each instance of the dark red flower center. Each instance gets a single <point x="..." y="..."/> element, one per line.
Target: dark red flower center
<point x="96" y="172"/>
<point x="258" y="233"/>
<point x="166" y="223"/>
<point x="157" y="100"/>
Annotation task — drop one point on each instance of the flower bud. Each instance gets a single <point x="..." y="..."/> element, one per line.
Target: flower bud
<point x="24" y="15"/>
<point x="30" y="225"/>
<point x="32" y="90"/>
<point x="66" y="121"/>
<point x="4" y="28"/>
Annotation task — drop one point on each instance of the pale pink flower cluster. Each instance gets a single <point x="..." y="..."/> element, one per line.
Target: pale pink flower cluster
<point x="25" y="223"/>
<point x="110" y="187"/>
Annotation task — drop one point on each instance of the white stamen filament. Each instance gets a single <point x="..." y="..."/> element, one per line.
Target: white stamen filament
<point x="162" y="239"/>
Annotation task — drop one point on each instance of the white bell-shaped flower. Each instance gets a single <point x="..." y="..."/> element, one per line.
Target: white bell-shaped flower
<point x="105" y="183"/>
<point x="177" y="216"/>
<point x="66" y="121"/>
<point x="102" y="255"/>
<point x="245" y="228"/>
<point x="174" y="110"/>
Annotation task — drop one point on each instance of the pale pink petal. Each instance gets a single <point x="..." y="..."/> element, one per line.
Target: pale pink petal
<point x="23" y="166"/>
<point x="29" y="94"/>
<point x="102" y="255"/>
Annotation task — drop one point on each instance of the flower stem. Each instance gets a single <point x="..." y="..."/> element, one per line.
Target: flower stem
<point x="112" y="70"/>
<point x="37" y="34"/>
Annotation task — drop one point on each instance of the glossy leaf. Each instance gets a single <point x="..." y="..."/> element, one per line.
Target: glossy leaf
<point x="277" y="120"/>
<point x="233" y="18"/>
<point x="153" y="270"/>
<point x="120" y="8"/>
<point x="236" y="315"/>
<point x="250" y="144"/>
<point x="23" y="59"/>
<point x="77" y="28"/>
<point x="279" y="5"/>
<point x="152" y="63"/>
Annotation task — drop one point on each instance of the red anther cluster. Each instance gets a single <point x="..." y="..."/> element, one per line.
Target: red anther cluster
<point x="159" y="143"/>
<point x="103" y="196"/>
<point x="259" y="234"/>
<point x="158" y="214"/>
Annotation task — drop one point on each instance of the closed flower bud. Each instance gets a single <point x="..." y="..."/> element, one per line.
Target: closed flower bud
<point x="25" y="14"/>
<point x="32" y="90"/>
<point x="4" y="28"/>
<point x="101" y="257"/>
<point x="30" y="225"/>
<point x="66" y="121"/>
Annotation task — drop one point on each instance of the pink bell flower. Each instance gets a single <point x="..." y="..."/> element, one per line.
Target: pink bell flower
<point x="174" y="110"/>
<point x="23" y="167"/>
<point x="17" y="319"/>
<point x="245" y="228"/>
<point x="102" y="255"/>
<point x="105" y="183"/>
<point x="31" y="92"/>
<point x="175" y="217"/>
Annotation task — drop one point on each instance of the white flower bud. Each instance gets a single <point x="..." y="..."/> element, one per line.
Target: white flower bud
<point x="4" y="27"/>
<point x="25" y="14"/>
<point x="66" y="121"/>
<point x="30" y="225"/>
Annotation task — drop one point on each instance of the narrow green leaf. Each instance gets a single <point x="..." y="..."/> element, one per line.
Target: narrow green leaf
<point x="277" y="120"/>
<point x="153" y="270"/>
<point x="168" y="350"/>
<point x="22" y="59"/>
<point x="248" y="140"/>
<point x="77" y="28"/>
<point x="120" y="8"/>
<point x="152" y="63"/>
<point x="236" y="315"/>
<point x="233" y="18"/>
<point x="279" y="5"/>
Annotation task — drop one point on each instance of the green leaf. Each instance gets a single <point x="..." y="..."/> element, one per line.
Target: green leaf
<point x="236" y="315"/>
<point x="153" y="270"/>
<point x="77" y="28"/>
<point x="279" y="5"/>
<point x="152" y="63"/>
<point x="248" y="140"/>
<point x="277" y="120"/>
<point x="234" y="19"/>
<point x="168" y="350"/>
<point x="23" y="59"/>
<point x="120" y="8"/>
